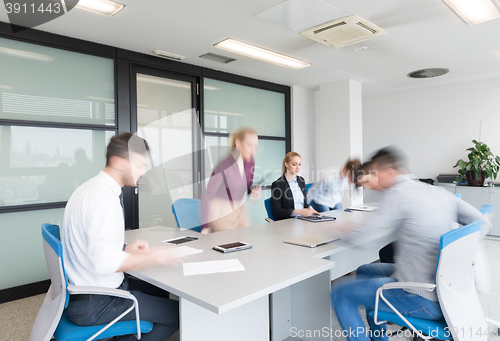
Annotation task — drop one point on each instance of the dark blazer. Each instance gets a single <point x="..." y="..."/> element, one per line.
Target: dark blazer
<point x="282" y="198"/>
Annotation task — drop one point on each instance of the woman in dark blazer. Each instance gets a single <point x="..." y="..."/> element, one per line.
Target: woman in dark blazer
<point x="288" y="193"/>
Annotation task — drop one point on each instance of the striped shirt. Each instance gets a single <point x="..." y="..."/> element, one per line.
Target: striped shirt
<point x="419" y="214"/>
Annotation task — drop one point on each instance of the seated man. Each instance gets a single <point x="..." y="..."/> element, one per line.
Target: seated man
<point x="92" y="236"/>
<point x="419" y="215"/>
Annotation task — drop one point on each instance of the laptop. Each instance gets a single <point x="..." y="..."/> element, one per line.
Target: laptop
<point x="317" y="218"/>
<point x="312" y="240"/>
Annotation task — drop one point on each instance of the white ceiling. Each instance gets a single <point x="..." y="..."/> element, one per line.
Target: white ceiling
<point x="421" y="34"/>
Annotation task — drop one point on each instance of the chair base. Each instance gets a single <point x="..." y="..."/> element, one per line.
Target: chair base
<point x="421" y="325"/>
<point x="67" y="330"/>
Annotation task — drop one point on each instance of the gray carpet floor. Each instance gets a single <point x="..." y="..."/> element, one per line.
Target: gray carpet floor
<point x="17" y="317"/>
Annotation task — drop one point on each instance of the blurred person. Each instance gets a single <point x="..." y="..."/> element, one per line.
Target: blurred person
<point x="386" y="254"/>
<point x="326" y="194"/>
<point x="92" y="236"/>
<point x="223" y="203"/>
<point x="288" y="193"/>
<point x="419" y="214"/>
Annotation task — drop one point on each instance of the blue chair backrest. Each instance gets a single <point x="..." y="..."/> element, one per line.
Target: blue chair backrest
<point x="309" y="186"/>
<point x="267" y="204"/>
<point x="51" y="234"/>
<point x="187" y="213"/>
<point x="487" y="209"/>
<point x="459" y="195"/>
<point x="454" y="235"/>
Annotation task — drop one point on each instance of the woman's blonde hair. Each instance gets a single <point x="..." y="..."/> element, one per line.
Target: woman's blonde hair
<point x="287" y="158"/>
<point x="239" y="134"/>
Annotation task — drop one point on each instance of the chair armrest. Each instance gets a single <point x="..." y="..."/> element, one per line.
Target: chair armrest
<point x="400" y="285"/>
<point x="75" y="290"/>
<point x="409" y="285"/>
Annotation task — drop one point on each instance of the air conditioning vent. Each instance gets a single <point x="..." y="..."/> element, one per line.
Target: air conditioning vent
<point x="428" y="73"/>
<point x="217" y="58"/>
<point x="342" y="23"/>
<point x="366" y="27"/>
<point x="343" y="32"/>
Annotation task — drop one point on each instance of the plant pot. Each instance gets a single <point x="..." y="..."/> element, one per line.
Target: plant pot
<point x="473" y="181"/>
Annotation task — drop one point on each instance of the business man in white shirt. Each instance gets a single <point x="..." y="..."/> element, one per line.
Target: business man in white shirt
<point x="92" y="236"/>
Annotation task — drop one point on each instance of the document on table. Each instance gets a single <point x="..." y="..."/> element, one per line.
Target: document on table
<point x="363" y="208"/>
<point x="180" y="251"/>
<point x="201" y="268"/>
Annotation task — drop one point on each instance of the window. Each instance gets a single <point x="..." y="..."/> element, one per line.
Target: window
<point x="57" y="114"/>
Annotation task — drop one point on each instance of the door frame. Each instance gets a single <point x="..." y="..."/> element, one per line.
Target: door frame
<point x="197" y="141"/>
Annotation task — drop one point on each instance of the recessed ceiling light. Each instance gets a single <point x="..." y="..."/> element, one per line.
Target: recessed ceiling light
<point x="476" y="11"/>
<point x="261" y="54"/>
<point x="105" y="7"/>
<point x="168" y="55"/>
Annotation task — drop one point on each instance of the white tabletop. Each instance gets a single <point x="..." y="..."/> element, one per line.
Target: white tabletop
<point x="267" y="270"/>
<point x="270" y="265"/>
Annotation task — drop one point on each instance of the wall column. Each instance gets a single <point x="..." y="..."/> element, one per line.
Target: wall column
<point x="339" y="129"/>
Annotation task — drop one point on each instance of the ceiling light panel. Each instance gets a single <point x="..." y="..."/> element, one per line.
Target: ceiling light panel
<point x="105" y="7"/>
<point x="168" y="55"/>
<point x="475" y="11"/>
<point x="261" y="54"/>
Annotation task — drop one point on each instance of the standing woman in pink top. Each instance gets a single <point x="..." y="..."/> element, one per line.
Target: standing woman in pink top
<point x="223" y="203"/>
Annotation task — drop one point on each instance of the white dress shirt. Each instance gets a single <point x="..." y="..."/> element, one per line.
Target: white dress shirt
<point x="92" y="234"/>
<point x="298" y="196"/>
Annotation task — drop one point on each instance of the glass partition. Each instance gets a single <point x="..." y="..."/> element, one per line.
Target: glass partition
<point x="40" y="165"/>
<point x="165" y="119"/>
<point x="229" y="106"/>
<point x="268" y="160"/>
<point x="40" y="83"/>
<point x="22" y="256"/>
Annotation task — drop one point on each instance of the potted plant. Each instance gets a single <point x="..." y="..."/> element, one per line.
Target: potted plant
<point x="482" y="164"/>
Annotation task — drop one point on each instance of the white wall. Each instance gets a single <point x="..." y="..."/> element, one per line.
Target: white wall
<point x="434" y="126"/>
<point x="303" y="128"/>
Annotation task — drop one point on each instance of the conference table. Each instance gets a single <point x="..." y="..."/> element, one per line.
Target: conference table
<point x="283" y="291"/>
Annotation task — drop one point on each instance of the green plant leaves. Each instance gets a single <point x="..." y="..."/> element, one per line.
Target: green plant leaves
<point x="480" y="158"/>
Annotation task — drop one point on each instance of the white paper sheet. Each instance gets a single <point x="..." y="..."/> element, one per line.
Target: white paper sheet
<point x="363" y="208"/>
<point x="200" y="268"/>
<point x="180" y="251"/>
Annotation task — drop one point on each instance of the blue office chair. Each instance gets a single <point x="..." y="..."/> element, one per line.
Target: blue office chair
<point x="482" y="278"/>
<point x="454" y="285"/>
<point x="187" y="213"/>
<point x="459" y="195"/>
<point x="51" y="320"/>
<point x="308" y="186"/>
<point x="269" y="210"/>
<point x="487" y="211"/>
